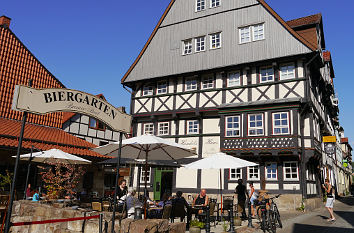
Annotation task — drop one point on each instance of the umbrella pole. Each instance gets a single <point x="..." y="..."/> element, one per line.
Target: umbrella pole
<point x="221" y="192"/>
<point x="28" y="172"/>
<point x="139" y="174"/>
<point x="145" y="189"/>
<point x="117" y="178"/>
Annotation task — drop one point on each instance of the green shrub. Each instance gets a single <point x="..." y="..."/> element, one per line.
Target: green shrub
<point x="196" y="223"/>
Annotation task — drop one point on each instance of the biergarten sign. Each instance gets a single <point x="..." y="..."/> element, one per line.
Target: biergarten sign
<point x="42" y="101"/>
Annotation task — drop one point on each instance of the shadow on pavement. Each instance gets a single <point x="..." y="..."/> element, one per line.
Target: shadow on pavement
<point x="347" y="200"/>
<point x="323" y="217"/>
<point x="323" y="229"/>
<point x="347" y="216"/>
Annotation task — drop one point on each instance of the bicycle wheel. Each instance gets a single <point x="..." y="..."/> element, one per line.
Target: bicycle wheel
<point x="272" y="227"/>
<point x="277" y="216"/>
<point x="263" y="221"/>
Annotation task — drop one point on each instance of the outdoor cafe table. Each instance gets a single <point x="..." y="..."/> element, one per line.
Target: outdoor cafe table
<point x="156" y="209"/>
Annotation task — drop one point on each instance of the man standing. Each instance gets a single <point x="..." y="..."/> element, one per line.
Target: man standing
<point x="241" y="192"/>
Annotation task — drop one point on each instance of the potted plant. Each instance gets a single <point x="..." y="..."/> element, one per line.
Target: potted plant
<point x="237" y="220"/>
<point x="225" y="225"/>
<point x="195" y="226"/>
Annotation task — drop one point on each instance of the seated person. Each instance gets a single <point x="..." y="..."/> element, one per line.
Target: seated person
<point x="157" y="213"/>
<point x="201" y="200"/>
<point x="36" y="196"/>
<point x="122" y="189"/>
<point x="132" y="202"/>
<point x="178" y="204"/>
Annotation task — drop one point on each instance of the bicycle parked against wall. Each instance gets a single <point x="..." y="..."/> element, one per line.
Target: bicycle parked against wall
<point x="268" y="213"/>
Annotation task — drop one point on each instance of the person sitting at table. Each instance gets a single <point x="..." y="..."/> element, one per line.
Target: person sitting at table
<point x="36" y="196"/>
<point x="28" y="191"/>
<point x="178" y="204"/>
<point x="201" y="200"/>
<point x="132" y="202"/>
<point x="122" y="189"/>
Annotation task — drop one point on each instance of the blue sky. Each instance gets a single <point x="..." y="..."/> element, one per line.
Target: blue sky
<point x="90" y="44"/>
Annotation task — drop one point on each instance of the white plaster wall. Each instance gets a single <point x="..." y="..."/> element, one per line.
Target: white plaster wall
<point x="182" y="127"/>
<point x="211" y="178"/>
<point x="300" y="68"/>
<point x="218" y="83"/>
<point x="191" y="142"/>
<point x="291" y="186"/>
<point x="180" y="85"/>
<point x="254" y="75"/>
<point x="211" y="145"/>
<point x="83" y="129"/>
<point x="211" y="126"/>
<point x="84" y="119"/>
<point x="307" y="127"/>
<point x="186" y="178"/>
<point x="173" y="128"/>
<point x="272" y="186"/>
<point x="244" y="77"/>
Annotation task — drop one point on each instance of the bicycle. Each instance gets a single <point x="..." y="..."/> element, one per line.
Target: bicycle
<point x="269" y="214"/>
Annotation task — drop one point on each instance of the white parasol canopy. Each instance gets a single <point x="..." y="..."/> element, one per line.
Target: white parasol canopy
<point x="54" y="154"/>
<point x="148" y="147"/>
<point x="220" y="161"/>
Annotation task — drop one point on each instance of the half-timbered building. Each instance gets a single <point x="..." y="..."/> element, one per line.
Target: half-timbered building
<point x="233" y="76"/>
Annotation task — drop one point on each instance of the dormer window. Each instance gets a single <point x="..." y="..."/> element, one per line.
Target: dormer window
<point x="200" y="5"/>
<point x="148" y="90"/>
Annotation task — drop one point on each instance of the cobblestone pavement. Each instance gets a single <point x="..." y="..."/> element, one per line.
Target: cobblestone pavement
<point x="312" y="222"/>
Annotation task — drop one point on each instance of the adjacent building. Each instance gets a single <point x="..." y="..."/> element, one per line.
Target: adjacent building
<point x="17" y="66"/>
<point x="233" y="76"/>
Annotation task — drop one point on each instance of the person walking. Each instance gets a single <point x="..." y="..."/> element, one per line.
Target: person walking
<point x="330" y="199"/>
<point x="252" y="195"/>
<point x="241" y="192"/>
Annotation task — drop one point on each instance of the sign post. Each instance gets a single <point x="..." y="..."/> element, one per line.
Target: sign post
<point x="12" y="192"/>
<point x="42" y="101"/>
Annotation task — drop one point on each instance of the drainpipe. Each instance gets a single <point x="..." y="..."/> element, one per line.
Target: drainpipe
<point x="302" y="126"/>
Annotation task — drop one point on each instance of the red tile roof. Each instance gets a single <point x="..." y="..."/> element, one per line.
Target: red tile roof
<point x="327" y="55"/>
<point x="17" y="66"/>
<point x="44" y="138"/>
<point x="307" y="20"/>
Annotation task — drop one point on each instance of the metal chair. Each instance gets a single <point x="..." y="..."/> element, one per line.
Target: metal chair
<point x="228" y="202"/>
<point x="166" y="212"/>
<point x="4" y="204"/>
<point x="212" y="205"/>
<point x="178" y="211"/>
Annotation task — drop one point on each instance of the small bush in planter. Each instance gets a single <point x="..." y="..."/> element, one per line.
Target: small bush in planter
<point x="196" y="223"/>
<point x="225" y="225"/>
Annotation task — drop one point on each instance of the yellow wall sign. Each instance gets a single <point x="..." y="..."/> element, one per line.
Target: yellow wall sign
<point x="329" y="139"/>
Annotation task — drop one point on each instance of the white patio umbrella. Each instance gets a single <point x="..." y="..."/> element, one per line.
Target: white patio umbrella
<point x="220" y="161"/>
<point x="147" y="147"/>
<point x="54" y="154"/>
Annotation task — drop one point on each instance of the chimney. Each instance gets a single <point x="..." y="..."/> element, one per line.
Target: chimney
<point x="4" y="20"/>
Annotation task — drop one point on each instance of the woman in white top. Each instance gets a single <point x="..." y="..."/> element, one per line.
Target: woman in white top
<point x="252" y="195"/>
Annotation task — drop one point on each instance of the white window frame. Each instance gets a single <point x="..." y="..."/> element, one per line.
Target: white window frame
<point x="187" y="47"/>
<point x="161" y="90"/>
<point x="208" y="82"/>
<point x="148" y="90"/>
<point x="248" y="173"/>
<point x="254" y="28"/>
<point x="150" y="126"/>
<point x="271" y="173"/>
<point x="162" y="131"/>
<point x="233" y="129"/>
<point x="297" y="170"/>
<point x="267" y="69"/>
<point x="193" y="123"/>
<point x="281" y="126"/>
<point x="240" y="34"/>
<point x="233" y="83"/>
<point x="202" y="5"/>
<point x="142" y="176"/>
<point x="251" y="30"/>
<point x="215" y="3"/>
<point x="284" y="75"/>
<point x="200" y="43"/>
<point x="237" y="172"/>
<point x="213" y="40"/>
<point x="256" y="128"/>
<point x="190" y="86"/>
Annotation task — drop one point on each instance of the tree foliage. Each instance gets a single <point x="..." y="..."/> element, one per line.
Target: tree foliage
<point x="61" y="178"/>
